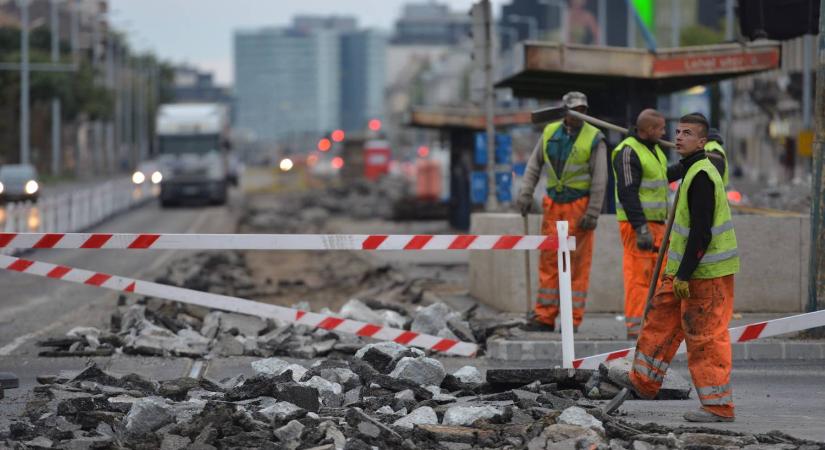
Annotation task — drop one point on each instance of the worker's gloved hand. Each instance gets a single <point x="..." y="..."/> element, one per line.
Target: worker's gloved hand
<point x="525" y="204"/>
<point x="588" y="222"/>
<point x="644" y="240"/>
<point x="681" y="288"/>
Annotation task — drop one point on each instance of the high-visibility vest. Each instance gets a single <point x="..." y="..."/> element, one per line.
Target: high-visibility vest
<point x="653" y="190"/>
<point x="576" y="171"/>
<point x="721" y="257"/>
<point x="713" y="146"/>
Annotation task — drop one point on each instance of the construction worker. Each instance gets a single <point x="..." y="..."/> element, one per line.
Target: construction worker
<point x="715" y="153"/>
<point x="641" y="173"/>
<point x="694" y="301"/>
<point x="574" y="155"/>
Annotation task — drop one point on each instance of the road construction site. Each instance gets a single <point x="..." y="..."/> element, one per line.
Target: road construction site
<point x="117" y="369"/>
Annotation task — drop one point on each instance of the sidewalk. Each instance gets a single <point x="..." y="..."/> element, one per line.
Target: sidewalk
<point x="601" y="333"/>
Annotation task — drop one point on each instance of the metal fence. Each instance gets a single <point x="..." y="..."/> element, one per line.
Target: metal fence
<point x="77" y="210"/>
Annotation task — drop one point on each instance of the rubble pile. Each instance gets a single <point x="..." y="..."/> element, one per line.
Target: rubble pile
<point x="308" y="211"/>
<point x="386" y="396"/>
<point x="154" y="327"/>
<point x="793" y="196"/>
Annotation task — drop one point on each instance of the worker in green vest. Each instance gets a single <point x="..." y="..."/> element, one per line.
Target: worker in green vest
<point x="716" y="154"/>
<point x="573" y="154"/>
<point x="694" y="300"/>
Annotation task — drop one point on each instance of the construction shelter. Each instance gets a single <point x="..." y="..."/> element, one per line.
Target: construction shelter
<point x="619" y="83"/>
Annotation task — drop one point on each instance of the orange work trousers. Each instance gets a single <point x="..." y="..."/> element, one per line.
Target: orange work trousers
<point x="638" y="268"/>
<point x="702" y="322"/>
<point x="547" y="300"/>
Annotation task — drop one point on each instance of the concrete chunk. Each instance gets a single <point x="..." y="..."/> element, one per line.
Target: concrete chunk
<point x="424" y="371"/>
<point x="147" y="415"/>
<point x="467" y="415"/>
<point x="421" y="416"/>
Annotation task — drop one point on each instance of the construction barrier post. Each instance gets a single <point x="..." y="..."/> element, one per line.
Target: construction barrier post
<point x="565" y="297"/>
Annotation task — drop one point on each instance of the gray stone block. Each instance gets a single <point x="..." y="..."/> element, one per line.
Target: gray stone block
<point x="804" y="350"/>
<point x="765" y="350"/>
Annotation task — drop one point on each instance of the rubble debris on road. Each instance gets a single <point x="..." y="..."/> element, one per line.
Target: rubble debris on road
<point x="156" y="327"/>
<point x="352" y="403"/>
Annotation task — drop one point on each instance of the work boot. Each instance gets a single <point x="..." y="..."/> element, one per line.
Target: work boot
<point x="706" y="417"/>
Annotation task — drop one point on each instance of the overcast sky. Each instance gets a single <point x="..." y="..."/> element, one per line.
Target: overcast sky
<point x="200" y="31"/>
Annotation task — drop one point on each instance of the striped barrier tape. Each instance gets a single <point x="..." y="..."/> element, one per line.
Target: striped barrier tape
<point x="278" y="241"/>
<point x="737" y="334"/>
<point x="238" y="305"/>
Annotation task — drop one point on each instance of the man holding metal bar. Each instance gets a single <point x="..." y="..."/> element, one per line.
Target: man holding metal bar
<point x="573" y="154"/>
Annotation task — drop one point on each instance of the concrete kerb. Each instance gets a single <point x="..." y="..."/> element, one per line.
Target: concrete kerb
<point x="535" y="350"/>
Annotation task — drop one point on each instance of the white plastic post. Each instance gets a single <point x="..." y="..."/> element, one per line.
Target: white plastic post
<point x="565" y="297"/>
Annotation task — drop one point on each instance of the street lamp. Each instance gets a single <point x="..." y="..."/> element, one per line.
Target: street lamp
<point x="532" y="24"/>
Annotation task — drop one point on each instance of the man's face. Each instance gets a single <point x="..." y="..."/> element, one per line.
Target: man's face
<point x="575" y="122"/>
<point x="656" y="129"/>
<point x="689" y="139"/>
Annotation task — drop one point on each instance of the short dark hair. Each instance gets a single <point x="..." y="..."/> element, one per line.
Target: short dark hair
<point x="698" y="119"/>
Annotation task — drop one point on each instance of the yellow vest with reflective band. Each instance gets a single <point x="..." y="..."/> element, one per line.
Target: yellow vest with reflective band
<point x="576" y="171"/>
<point x="713" y="146"/>
<point x="721" y="257"/>
<point x="653" y="190"/>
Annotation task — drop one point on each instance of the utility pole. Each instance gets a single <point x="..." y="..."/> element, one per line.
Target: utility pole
<point x="602" y="18"/>
<point x="816" y="273"/>
<point x="56" y="126"/>
<point x="24" y="81"/>
<point x="489" y="105"/>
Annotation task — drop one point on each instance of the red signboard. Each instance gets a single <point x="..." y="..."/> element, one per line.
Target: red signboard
<point x="377" y="158"/>
<point x="710" y="64"/>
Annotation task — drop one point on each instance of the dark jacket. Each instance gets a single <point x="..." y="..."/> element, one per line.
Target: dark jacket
<point x="628" y="169"/>
<point x="701" y="204"/>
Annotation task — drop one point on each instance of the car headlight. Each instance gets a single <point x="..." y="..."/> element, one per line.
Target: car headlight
<point x="2" y="188"/>
<point x="32" y="187"/>
<point x="138" y="177"/>
<point x="157" y="177"/>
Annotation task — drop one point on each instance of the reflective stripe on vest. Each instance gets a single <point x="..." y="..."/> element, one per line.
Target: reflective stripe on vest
<point x="722" y="256"/>
<point x="576" y="171"/>
<point x="713" y="146"/>
<point x="653" y="187"/>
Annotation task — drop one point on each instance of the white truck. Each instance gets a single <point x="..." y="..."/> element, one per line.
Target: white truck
<point x="193" y="142"/>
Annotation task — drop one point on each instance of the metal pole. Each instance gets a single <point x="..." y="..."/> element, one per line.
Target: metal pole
<point x="631" y="27"/>
<point x="816" y="270"/>
<point x="675" y="35"/>
<point x="489" y="105"/>
<point x="807" y="50"/>
<point x="56" y="126"/>
<point x="24" y="81"/>
<point x="75" y="6"/>
<point x="602" y="17"/>
<point x="727" y="88"/>
<point x="110" y="83"/>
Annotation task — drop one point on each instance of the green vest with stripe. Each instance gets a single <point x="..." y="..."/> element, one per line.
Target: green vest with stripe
<point x="653" y="190"/>
<point x="713" y="146"/>
<point x="576" y="171"/>
<point x="721" y="257"/>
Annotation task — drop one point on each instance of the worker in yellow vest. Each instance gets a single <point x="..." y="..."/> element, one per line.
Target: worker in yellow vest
<point x="573" y="154"/>
<point x="694" y="301"/>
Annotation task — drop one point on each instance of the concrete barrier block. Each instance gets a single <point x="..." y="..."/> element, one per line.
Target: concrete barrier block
<point x="765" y="350"/>
<point x="773" y="251"/>
<point x="804" y="350"/>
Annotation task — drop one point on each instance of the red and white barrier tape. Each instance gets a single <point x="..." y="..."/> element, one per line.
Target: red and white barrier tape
<point x="279" y="241"/>
<point x="238" y="305"/>
<point x="738" y="334"/>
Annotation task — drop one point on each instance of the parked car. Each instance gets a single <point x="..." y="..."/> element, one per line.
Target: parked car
<point x="18" y="182"/>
